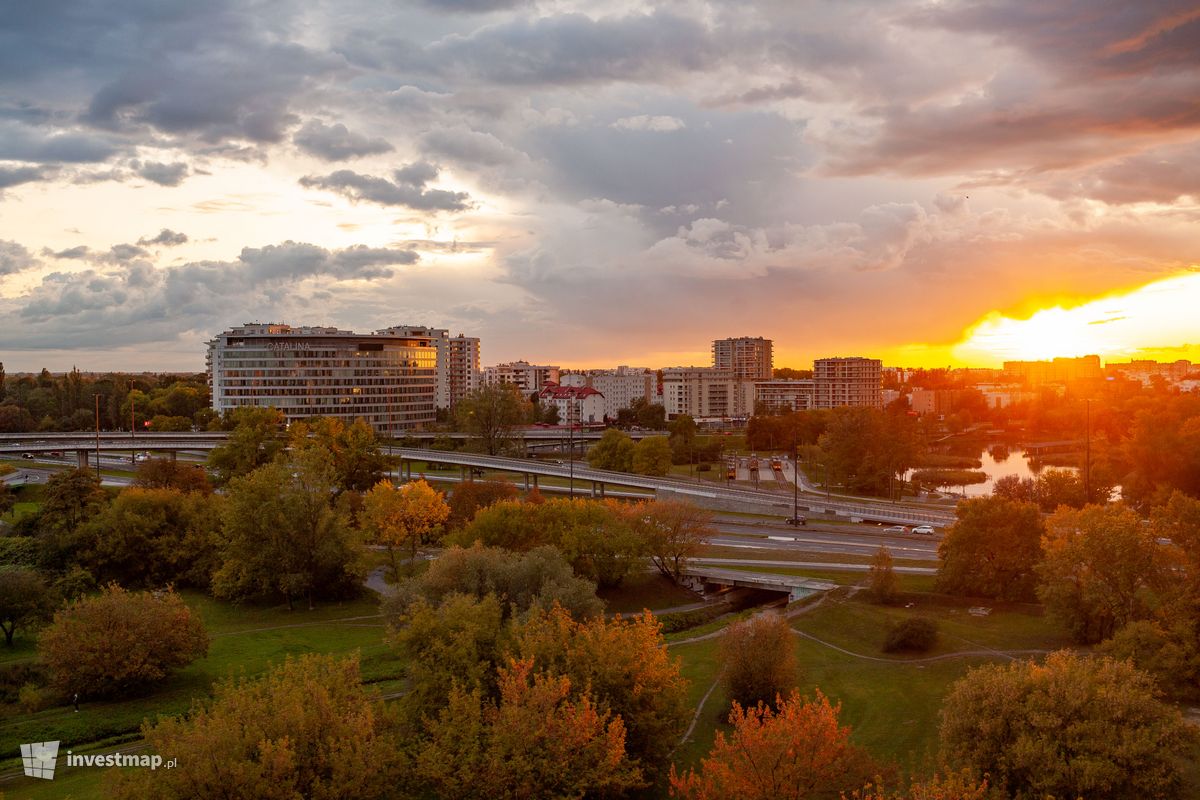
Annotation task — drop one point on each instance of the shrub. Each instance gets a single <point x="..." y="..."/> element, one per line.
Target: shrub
<point x="914" y="635"/>
<point x="118" y="642"/>
<point x="685" y="620"/>
<point x="759" y="660"/>
<point x="32" y="698"/>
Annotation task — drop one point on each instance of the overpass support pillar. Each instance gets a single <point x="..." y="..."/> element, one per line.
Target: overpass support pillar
<point x="602" y="489"/>
<point x="526" y="478"/>
<point x="82" y="455"/>
<point x="535" y="481"/>
<point x="174" y="455"/>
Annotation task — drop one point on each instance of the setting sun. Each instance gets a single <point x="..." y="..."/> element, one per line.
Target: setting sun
<point x="1157" y="320"/>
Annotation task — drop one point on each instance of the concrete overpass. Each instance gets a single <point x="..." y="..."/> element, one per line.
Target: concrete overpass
<point x="701" y="579"/>
<point x="85" y="445"/>
<point x="710" y="494"/>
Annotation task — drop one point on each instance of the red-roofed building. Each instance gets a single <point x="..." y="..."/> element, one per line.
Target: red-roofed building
<point x="576" y="404"/>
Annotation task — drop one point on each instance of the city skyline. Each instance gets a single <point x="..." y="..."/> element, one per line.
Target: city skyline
<point x="925" y="184"/>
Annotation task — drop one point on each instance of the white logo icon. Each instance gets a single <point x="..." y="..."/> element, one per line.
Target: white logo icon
<point x="39" y="759"/>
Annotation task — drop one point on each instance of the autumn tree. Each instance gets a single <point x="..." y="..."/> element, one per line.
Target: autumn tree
<point x="541" y="738"/>
<point x="991" y="550"/>
<point x="24" y="600"/>
<point x="960" y="785"/>
<point x="151" y="537"/>
<point x="624" y="664"/>
<point x="255" y="440"/>
<point x="119" y="642"/>
<point x="470" y="496"/>
<point x="283" y="537"/>
<point x="357" y="460"/>
<point x="758" y="659"/>
<point x="519" y="581"/>
<point x="882" y="586"/>
<point x="165" y="473"/>
<point x="673" y="532"/>
<point x="308" y="728"/>
<point x="614" y="451"/>
<point x="1072" y="727"/>
<point x="652" y="456"/>
<point x="491" y="414"/>
<point x="795" y="752"/>
<point x="406" y="516"/>
<point x="1100" y="569"/>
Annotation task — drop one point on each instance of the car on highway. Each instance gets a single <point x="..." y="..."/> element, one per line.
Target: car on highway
<point x="896" y="529"/>
<point x="796" y="520"/>
<point x="27" y="455"/>
<point x="926" y="530"/>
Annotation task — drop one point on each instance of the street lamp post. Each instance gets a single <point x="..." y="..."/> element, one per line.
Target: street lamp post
<point x="795" y="481"/>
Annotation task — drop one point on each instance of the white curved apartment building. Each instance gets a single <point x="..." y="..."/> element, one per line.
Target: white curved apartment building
<point x="388" y="378"/>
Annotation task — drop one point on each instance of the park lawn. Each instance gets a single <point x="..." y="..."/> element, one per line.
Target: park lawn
<point x="246" y="640"/>
<point x="645" y="590"/>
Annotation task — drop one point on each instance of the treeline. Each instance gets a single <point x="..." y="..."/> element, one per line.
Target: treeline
<point x="68" y="402"/>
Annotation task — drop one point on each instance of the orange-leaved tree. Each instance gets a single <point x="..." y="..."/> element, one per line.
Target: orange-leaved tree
<point x="404" y="517"/>
<point x="542" y="739"/>
<point x="797" y="752"/>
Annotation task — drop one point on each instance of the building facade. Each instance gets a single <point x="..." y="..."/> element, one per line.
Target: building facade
<point x="747" y="358"/>
<point x="847" y="382"/>
<point x="576" y="404"/>
<point x="1060" y="370"/>
<point x="528" y="378"/>
<point x="775" y="396"/>
<point x="387" y="379"/>
<point x="620" y="386"/>
<point x="704" y="392"/>
<point x="458" y="372"/>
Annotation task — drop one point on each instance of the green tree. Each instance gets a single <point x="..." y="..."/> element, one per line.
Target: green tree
<point x="758" y="659"/>
<point x="163" y="473"/>
<point x="70" y="500"/>
<point x="307" y="728"/>
<point x="491" y="415"/>
<point x="1072" y="727"/>
<point x="652" y="456"/>
<point x="991" y="550"/>
<point x="682" y="439"/>
<point x="867" y="449"/>
<point x="614" y="451"/>
<point x="282" y="536"/>
<point x="881" y="581"/>
<point x="1100" y="570"/>
<point x="520" y="581"/>
<point x="24" y="600"/>
<point x="255" y="440"/>
<point x="152" y="537"/>
<point x="119" y="642"/>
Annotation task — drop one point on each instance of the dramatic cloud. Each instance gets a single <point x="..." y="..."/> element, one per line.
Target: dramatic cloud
<point x="14" y="257"/>
<point x="166" y="237"/>
<point x="15" y="176"/>
<point x="408" y="188"/>
<point x="335" y="142"/>
<point x="162" y="174"/>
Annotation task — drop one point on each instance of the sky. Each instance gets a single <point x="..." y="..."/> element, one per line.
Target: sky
<point x="603" y="182"/>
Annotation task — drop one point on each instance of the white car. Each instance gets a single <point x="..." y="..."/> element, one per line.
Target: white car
<point x="925" y="529"/>
<point x="896" y="529"/>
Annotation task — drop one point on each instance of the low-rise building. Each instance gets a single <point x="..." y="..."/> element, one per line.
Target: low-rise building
<point x="576" y="404"/>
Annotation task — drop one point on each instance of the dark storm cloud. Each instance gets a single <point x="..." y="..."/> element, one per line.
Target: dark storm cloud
<point x="576" y="49"/>
<point x="1102" y="80"/>
<point x="162" y="174"/>
<point x="408" y="188"/>
<point x="166" y="237"/>
<point x="335" y="142"/>
<point x="15" y="176"/>
<point x="14" y="258"/>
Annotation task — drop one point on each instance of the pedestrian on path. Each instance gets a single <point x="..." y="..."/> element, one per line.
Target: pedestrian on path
<point x="75" y="700"/>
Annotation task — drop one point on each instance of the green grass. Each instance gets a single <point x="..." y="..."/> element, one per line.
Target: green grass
<point x="246" y="640"/>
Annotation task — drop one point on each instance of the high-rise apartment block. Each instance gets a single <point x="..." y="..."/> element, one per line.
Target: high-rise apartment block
<point x="388" y="379"/>
<point x="457" y="361"/>
<point x="747" y="358"/>
<point x="847" y="382"/>
<point x="1060" y="370"/>
<point x="706" y="392"/>
<point x="528" y="378"/>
